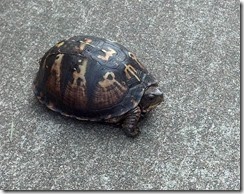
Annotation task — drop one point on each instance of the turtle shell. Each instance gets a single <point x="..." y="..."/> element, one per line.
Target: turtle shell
<point x="91" y="78"/>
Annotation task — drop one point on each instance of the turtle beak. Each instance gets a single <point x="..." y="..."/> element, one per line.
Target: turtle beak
<point x="157" y="92"/>
<point x="158" y="95"/>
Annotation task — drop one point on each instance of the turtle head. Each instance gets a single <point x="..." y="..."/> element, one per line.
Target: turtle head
<point x="151" y="99"/>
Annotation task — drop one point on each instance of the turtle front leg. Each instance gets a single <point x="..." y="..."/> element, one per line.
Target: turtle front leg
<point x="130" y="123"/>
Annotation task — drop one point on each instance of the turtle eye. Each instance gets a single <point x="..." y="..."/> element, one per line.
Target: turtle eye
<point x="151" y="96"/>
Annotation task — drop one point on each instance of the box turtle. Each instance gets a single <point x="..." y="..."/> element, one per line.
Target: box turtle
<point x="95" y="79"/>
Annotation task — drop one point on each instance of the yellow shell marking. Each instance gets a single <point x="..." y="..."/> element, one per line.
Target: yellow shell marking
<point x="108" y="54"/>
<point x="75" y="93"/>
<point x="129" y="70"/>
<point x="59" y="44"/>
<point x="84" y="43"/>
<point x="108" y="92"/>
<point x="56" y="66"/>
<point x="135" y="58"/>
<point x="81" y="74"/>
<point x="108" y="82"/>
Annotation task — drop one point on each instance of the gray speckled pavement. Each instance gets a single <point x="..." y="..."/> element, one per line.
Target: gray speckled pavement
<point x="190" y="142"/>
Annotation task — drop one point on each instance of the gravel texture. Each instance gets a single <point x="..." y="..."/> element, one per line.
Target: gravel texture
<point x="192" y="142"/>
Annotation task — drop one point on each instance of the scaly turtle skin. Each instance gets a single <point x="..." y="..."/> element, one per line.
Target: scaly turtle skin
<point x="91" y="78"/>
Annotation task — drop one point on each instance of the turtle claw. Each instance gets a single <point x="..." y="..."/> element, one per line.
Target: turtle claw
<point x="134" y="132"/>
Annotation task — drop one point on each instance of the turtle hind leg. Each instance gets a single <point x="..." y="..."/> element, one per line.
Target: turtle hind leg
<point x="129" y="125"/>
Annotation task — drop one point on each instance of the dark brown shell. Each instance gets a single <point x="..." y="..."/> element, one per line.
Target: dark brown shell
<point x="91" y="78"/>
